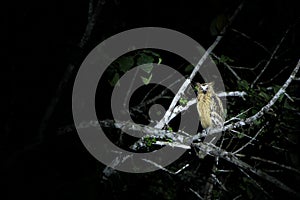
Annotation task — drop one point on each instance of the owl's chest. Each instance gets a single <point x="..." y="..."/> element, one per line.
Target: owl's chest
<point x="204" y="102"/>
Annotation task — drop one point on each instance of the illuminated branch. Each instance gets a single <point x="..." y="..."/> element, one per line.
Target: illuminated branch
<point x="182" y="89"/>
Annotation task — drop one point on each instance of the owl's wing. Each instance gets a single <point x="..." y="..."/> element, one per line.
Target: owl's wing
<point x="217" y="112"/>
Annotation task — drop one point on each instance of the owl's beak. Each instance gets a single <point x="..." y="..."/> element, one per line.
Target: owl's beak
<point x="204" y="89"/>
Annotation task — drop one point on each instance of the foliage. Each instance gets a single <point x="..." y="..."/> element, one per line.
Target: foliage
<point x="144" y="59"/>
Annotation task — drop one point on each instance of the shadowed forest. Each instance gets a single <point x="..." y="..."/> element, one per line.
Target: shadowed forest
<point x="255" y="47"/>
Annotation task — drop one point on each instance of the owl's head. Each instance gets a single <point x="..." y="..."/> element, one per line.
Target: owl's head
<point x="205" y="87"/>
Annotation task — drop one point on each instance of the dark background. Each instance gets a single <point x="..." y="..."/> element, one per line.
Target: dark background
<point x="52" y="166"/>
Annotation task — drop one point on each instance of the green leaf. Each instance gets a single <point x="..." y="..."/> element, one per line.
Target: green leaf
<point x="189" y="68"/>
<point x="149" y="141"/>
<point x="240" y="135"/>
<point x="114" y="80"/>
<point x="217" y="24"/>
<point x="243" y="84"/>
<point x="216" y="61"/>
<point x="257" y="122"/>
<point x="147" y="67"/>
<point x="276" y="87"/>
<point x="144" y="58"/>
<point x="159" y="60"/>
<point x="264" y="95"/>
<point x="151" y="52"/>
<point x="183" y="101"/>
<point x="158" y="113"/>
<point x="225" y="59"/>
<point x="288" y="106"/>
<point x="146" y="81"/>
<point x="280" y="98"/>
<point x="125" y="63"/>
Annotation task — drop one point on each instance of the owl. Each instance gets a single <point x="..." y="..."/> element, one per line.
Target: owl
<point x="209" y="107"/>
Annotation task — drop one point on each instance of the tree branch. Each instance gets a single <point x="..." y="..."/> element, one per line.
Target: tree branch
<point x="180" y="92"/>
<point x="267" y="107"/>
<point x="217" y="152"/>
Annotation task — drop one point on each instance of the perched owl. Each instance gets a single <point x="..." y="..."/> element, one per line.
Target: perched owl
<point x="209" y="107"/>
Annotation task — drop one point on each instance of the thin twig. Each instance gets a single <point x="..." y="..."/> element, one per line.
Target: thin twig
<point x="252" y="139"/>
<point x="277" y="164"/>
<point x="91" y="24"/>
<point x="91" y="9"/>
<point x="163" y="168"/>
<point x="248" y="68"/>
<point x="150" y="101"/>
<point x="228" y="66"/>
<point x="256" y="183"/>
<point x="237" y="197"/>
<point x="289" y="97"/>
<point x="219" y="182"/>
<point x="272" y="56"/>
<point x="271" y="79"/>
<point x="210" y="184"/>
<point x="249" y="38"/>
<point x="196" y="193"/>
<point x="237" y="116"/>
<point x="170" y="86"/>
